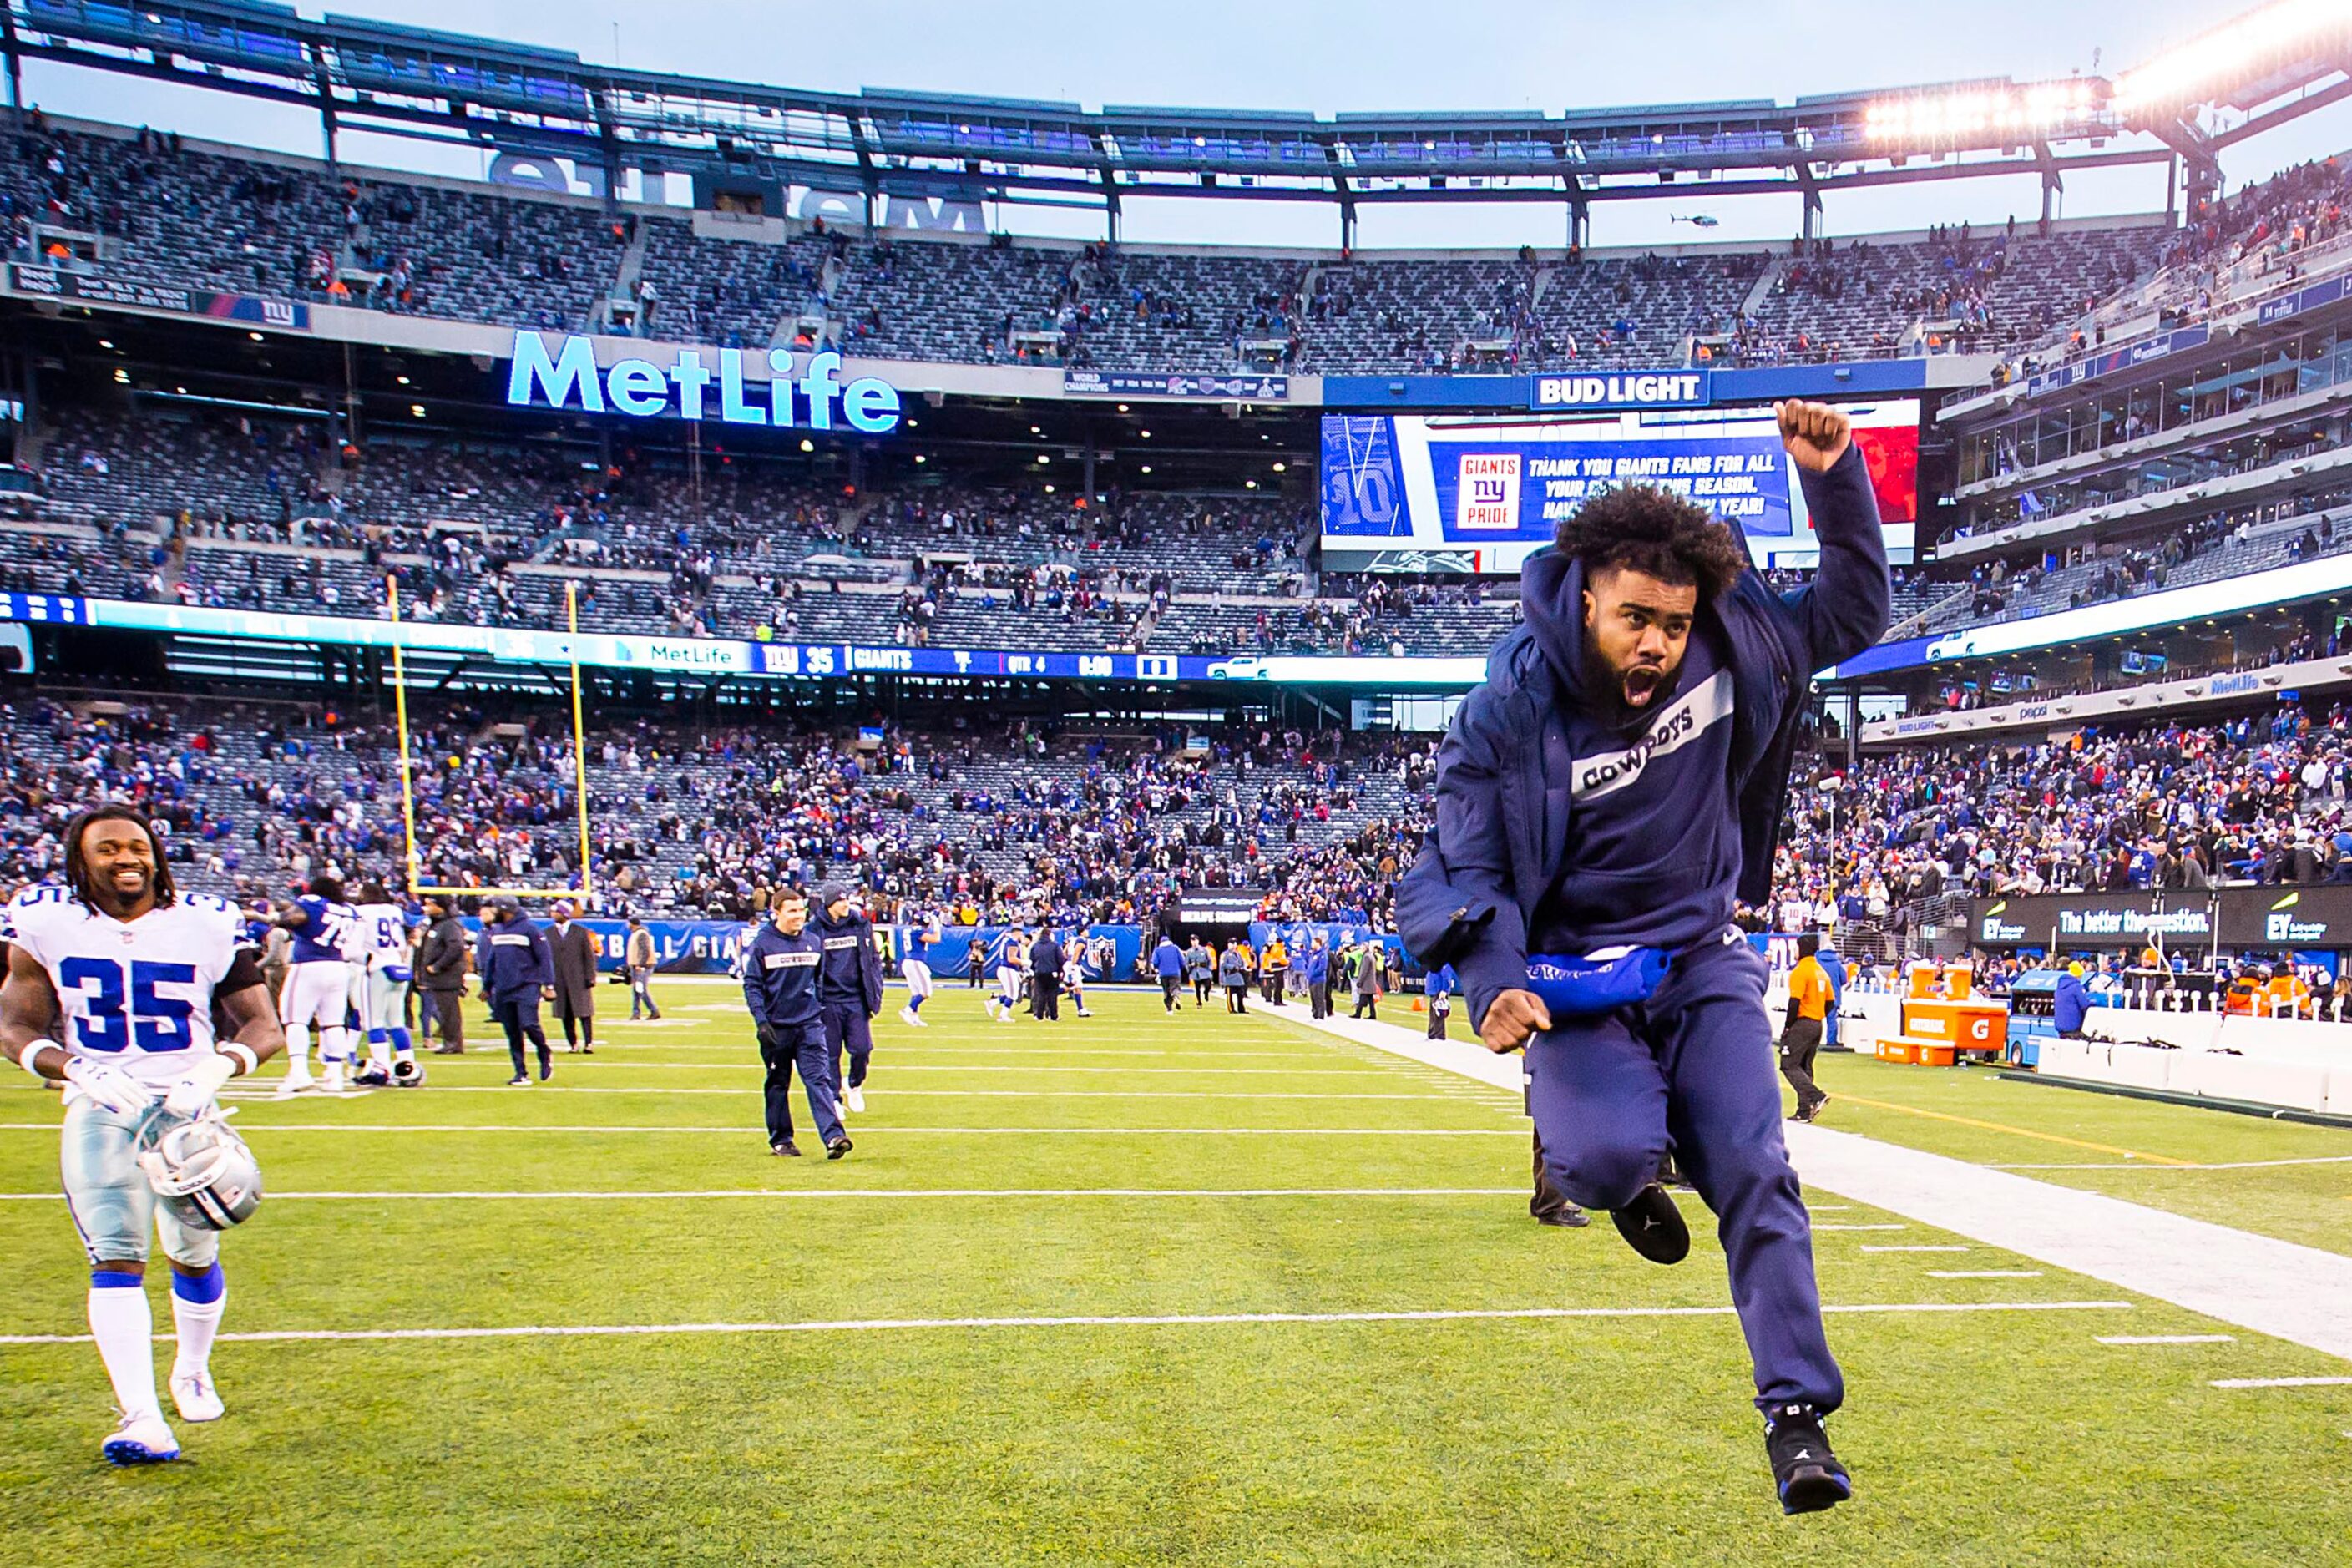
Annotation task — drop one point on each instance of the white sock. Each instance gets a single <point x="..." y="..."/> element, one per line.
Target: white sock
<point x="196" y="1323"/>
<point x="124" y="1327"/>
<point x="297" y="1053"/>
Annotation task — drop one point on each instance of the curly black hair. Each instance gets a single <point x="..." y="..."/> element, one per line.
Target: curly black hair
<point x="78" y="873"/>
<point x="1641" y="528"/>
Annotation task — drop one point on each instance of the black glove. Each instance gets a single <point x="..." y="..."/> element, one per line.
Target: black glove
<point x="772" y="1038"/>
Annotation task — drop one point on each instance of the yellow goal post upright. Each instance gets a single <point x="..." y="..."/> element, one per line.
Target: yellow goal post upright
<point x="417" y="886"/>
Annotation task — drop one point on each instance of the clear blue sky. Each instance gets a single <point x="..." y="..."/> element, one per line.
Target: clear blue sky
<point x="1326" y="56"/>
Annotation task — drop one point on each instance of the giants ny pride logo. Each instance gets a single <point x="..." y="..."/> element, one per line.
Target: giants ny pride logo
<point x="1488" y="497"/>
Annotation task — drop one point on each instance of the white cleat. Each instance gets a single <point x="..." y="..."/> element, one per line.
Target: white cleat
<point x="289" y="1086"/>
<point x="331" y="1081"/>
<point x="193" y="1392"/>
<point x="909" y="1017"/>
<point x="142" y="1440"/>
<point x="856" y="1095"/>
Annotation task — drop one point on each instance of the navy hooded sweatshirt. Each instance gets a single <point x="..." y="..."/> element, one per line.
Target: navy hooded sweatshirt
<point x="1653" y="841"/>
<point x="1552" y="825"/>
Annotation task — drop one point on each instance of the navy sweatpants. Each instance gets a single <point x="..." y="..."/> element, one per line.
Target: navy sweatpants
<point x="847" y="1028"/>
<point x="1694" y="1062"/>
<point x="782" y="1048"/>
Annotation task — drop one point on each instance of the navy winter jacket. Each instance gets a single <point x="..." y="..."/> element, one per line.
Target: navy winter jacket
<point x="1502" y="773"/>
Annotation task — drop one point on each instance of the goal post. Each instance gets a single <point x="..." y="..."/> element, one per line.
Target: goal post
<point x="417" y="886"/>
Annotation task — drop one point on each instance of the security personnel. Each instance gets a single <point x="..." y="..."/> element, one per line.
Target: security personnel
<point x="1233" y="974"/>
<point x="1800" y="1034"/>
<point x="848" y="988"/>
<point x="1201" y="967"/>
<point x="1605" y="798"/>
<point x="780" y="986"/>
<point x="1273" y="964"/>
<point x="517" y="974"/>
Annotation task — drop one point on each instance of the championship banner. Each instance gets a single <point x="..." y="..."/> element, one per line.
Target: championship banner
<point x="1219" y="388"/>
<point x="95" y="288"/>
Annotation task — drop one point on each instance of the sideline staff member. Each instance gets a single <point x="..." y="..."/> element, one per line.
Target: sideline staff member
<point x="1603" y="798"/>
<point x="1801" y="1037"/>
<point x="780" y="969"/>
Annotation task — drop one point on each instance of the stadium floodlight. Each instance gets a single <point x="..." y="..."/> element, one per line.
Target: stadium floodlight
<point x="2249" y="44"/>
<point x="1944" y="116"/>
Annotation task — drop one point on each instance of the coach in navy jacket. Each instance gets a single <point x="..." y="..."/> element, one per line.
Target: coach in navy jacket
<point x="517" y="973"/>
<point x="781" y="984"/>
<point x="1617" y="782"/>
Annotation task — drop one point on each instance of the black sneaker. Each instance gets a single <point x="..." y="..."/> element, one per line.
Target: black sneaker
<point x="1807" y="1475"/>
<point x="787" y="1148"/>
<point x="838" y="1148"/>
<point x="1653" y="1226"/>
<point x="1568" y="1218"/>
<point x="519" y="1081"/>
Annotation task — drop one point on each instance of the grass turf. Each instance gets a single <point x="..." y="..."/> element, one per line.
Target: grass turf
<point x="1993" y="1439"/>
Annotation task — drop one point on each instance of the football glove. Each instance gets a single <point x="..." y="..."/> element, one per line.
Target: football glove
<point x="193" y="1091"/>
<point x="109" y="1086"/>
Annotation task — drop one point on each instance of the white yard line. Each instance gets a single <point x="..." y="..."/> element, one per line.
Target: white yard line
<point x="873" y="1091"/>
<point x="2216" y="1165"/>
<point x="830" y="1193"/>
<point x="748" y="1130"/>
<point x="2272" y="1287"/>
<point x="2282" y="1381"/>
<point x="1984" y="1274"/>
<point x="1936" y="1247"/>
<point x="2167" y="1339"/>
<point x="1167" y="1320"/>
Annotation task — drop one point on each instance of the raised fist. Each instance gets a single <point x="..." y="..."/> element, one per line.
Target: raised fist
<point x="1815" y="434"/>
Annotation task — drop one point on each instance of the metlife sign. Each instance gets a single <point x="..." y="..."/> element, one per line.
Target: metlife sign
<point x="1623" y="389"/>
<point x="567" y="375"/>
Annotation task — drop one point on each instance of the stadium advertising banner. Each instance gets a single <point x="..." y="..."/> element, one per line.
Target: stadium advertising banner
<point x="547" y="371"/>
<point x="2236" y="919"/>
<point x="1405" y="493"/>
<point x="1215" y="388"/>
<point x="95" y="288"/>
<point x="716" y="656"/>
<point x="1623" y="389"/>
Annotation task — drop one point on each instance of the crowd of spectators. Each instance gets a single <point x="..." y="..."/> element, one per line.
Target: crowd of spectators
<point x="2185" y="806"/>
<point x="704" y="820"/>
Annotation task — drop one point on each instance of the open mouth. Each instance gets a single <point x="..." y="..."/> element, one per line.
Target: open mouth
<point x="1641" y="684"/>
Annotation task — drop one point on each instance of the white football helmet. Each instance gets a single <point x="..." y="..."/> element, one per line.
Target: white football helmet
<point x="409" y="1074"/>
<point x="199" y="1168"/>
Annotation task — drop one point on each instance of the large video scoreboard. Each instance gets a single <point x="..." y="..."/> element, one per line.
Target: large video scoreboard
<point x="1408" y="493"/>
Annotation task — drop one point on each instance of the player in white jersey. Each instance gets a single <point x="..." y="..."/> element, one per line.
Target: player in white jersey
<point x="129" y="974"/>
<point x="922" y="940"/>
<point x="318" y="989"/>
<point x="380" y="980"/>
<point x="1012" y="961"/>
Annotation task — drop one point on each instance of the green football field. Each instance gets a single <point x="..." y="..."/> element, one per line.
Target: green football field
<point x="1135" y="1289"/>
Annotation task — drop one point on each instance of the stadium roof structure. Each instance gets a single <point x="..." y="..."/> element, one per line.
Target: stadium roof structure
<point x="2271" y="64"/>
